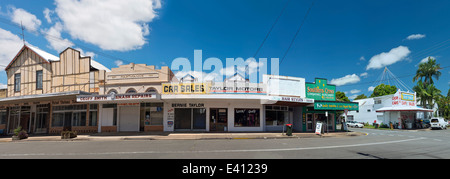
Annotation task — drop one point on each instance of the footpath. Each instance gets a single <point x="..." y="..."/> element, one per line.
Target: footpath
<point x="181" y="136"/>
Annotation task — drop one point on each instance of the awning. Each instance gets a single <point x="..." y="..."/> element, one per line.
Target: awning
<point x="120" y="98"/>
<point x="42" y="97"/>
<point x="286" y="101"/>
<point x="403" y="108"/>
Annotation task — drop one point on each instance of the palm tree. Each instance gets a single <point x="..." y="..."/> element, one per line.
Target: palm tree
<point x="427" y="71"/>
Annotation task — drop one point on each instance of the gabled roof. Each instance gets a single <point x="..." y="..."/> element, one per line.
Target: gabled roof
<point x="99" y="66"/>
<point x="47" y="57"/>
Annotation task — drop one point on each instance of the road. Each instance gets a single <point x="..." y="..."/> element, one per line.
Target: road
<point x="378" y="144"/>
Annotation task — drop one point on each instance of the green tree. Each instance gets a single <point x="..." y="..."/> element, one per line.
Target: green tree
<point x="340" y="96"/>
<point x="361" y="96"/>
<point x="382" y="90"/>
<point x="427" y="71"/>
<point x="427" y="94"/>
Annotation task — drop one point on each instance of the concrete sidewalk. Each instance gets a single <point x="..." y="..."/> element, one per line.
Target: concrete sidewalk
<point x="182" y="136"/>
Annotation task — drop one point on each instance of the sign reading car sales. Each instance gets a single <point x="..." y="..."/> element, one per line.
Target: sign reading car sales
<point x="184" y="88"/>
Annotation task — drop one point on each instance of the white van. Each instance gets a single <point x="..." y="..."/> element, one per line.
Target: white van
<point x="438" y="122"/>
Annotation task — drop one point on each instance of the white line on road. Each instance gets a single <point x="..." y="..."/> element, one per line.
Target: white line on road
<point x="209" y="151"/>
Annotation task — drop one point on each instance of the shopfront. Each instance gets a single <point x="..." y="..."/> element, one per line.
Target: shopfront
<point x="212" y="113"/>
<point x="326" y="109"/>
<point x="136" y="112"/>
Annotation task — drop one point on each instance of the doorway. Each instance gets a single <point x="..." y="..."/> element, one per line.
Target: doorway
<point x="309" y="122"/>
<point x="218" y="120"/>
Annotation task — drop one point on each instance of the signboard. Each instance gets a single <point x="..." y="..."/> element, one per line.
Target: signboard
<point x="213" y="88"/>
<point x="134" y="96"/>
<point x="112" y="97"/>
<point x="320" y="90"/>
<point x="291" y="99"/>
<point x="240" y="88"/>
<point x="319" y="128"/>
<point x="185" y="88"/>
<point x="336" y="106"/>
<point x="91" y="98"/>
<point x="404" y="99"/>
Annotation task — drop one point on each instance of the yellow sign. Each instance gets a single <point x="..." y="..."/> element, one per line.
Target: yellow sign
<point x="185" y="88"/>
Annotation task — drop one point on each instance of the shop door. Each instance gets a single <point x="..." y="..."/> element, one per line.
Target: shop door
<point x="218" y="120"/>
<point x="309" y="122"/>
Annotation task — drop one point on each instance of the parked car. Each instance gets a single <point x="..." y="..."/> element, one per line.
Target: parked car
<point x="354" y="124"/>
<point x="438" y="122"/>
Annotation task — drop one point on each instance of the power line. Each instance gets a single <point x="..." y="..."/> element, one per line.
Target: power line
<point x="298" y="30"/>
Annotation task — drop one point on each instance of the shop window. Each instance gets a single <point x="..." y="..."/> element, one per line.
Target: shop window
<point x="79" y="119"/>
<point x="246" y="118"/>
<point x="93" y="114"/>
<point x="69" y="115"/>
<point x="190" y="118"/>
<point x="3" y="117"/>
<point x="152" y="114"/>
<point x="277" y="115"/>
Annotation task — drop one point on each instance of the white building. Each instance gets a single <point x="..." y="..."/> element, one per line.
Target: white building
<point x="400" y="109"/>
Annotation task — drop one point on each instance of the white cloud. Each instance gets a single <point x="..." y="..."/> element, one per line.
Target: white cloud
<point x="53" y="36"/>
<point x="371" y="88"/>
<point x="352" y="97"/>
<point x="10" y="45"/>
<point x="86" y="54"/>
<point x="362" y="58"/>
<point x="118" y="62"/>
<point x="118" y="25"/>
<point x="365" y="74"/>
<point x="425" y="60"/>
<point x="47" y="13"/>
<point x="28" y="20"/>
<point x="416" y="36"/>
<point x="348" y="79"/>
<point x="355" y="91"/>
<point x="388" y="58"/>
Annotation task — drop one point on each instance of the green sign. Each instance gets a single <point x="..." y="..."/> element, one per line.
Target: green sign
<point x="320" y="90"/>
<point x="335" y="106"/>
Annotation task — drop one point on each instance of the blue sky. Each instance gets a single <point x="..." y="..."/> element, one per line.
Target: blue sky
<point x="347" y="42"/>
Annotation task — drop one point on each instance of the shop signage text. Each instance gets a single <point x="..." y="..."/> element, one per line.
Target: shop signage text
<point x="188" y="105"/>
<point x="320" y="90"/>
<point x="110" y="97"/>
<point x="335" y="106"/>
<point x="404" y="99"/>
<point x="184" y="88"/>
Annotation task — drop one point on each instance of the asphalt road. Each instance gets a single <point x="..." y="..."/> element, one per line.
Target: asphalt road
<point x="378" y="144"/>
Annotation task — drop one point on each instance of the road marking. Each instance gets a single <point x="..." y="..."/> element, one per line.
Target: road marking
<point x="211" y="151"/>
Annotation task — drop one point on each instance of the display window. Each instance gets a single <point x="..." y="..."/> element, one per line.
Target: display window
<point x="246" y="118"/>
